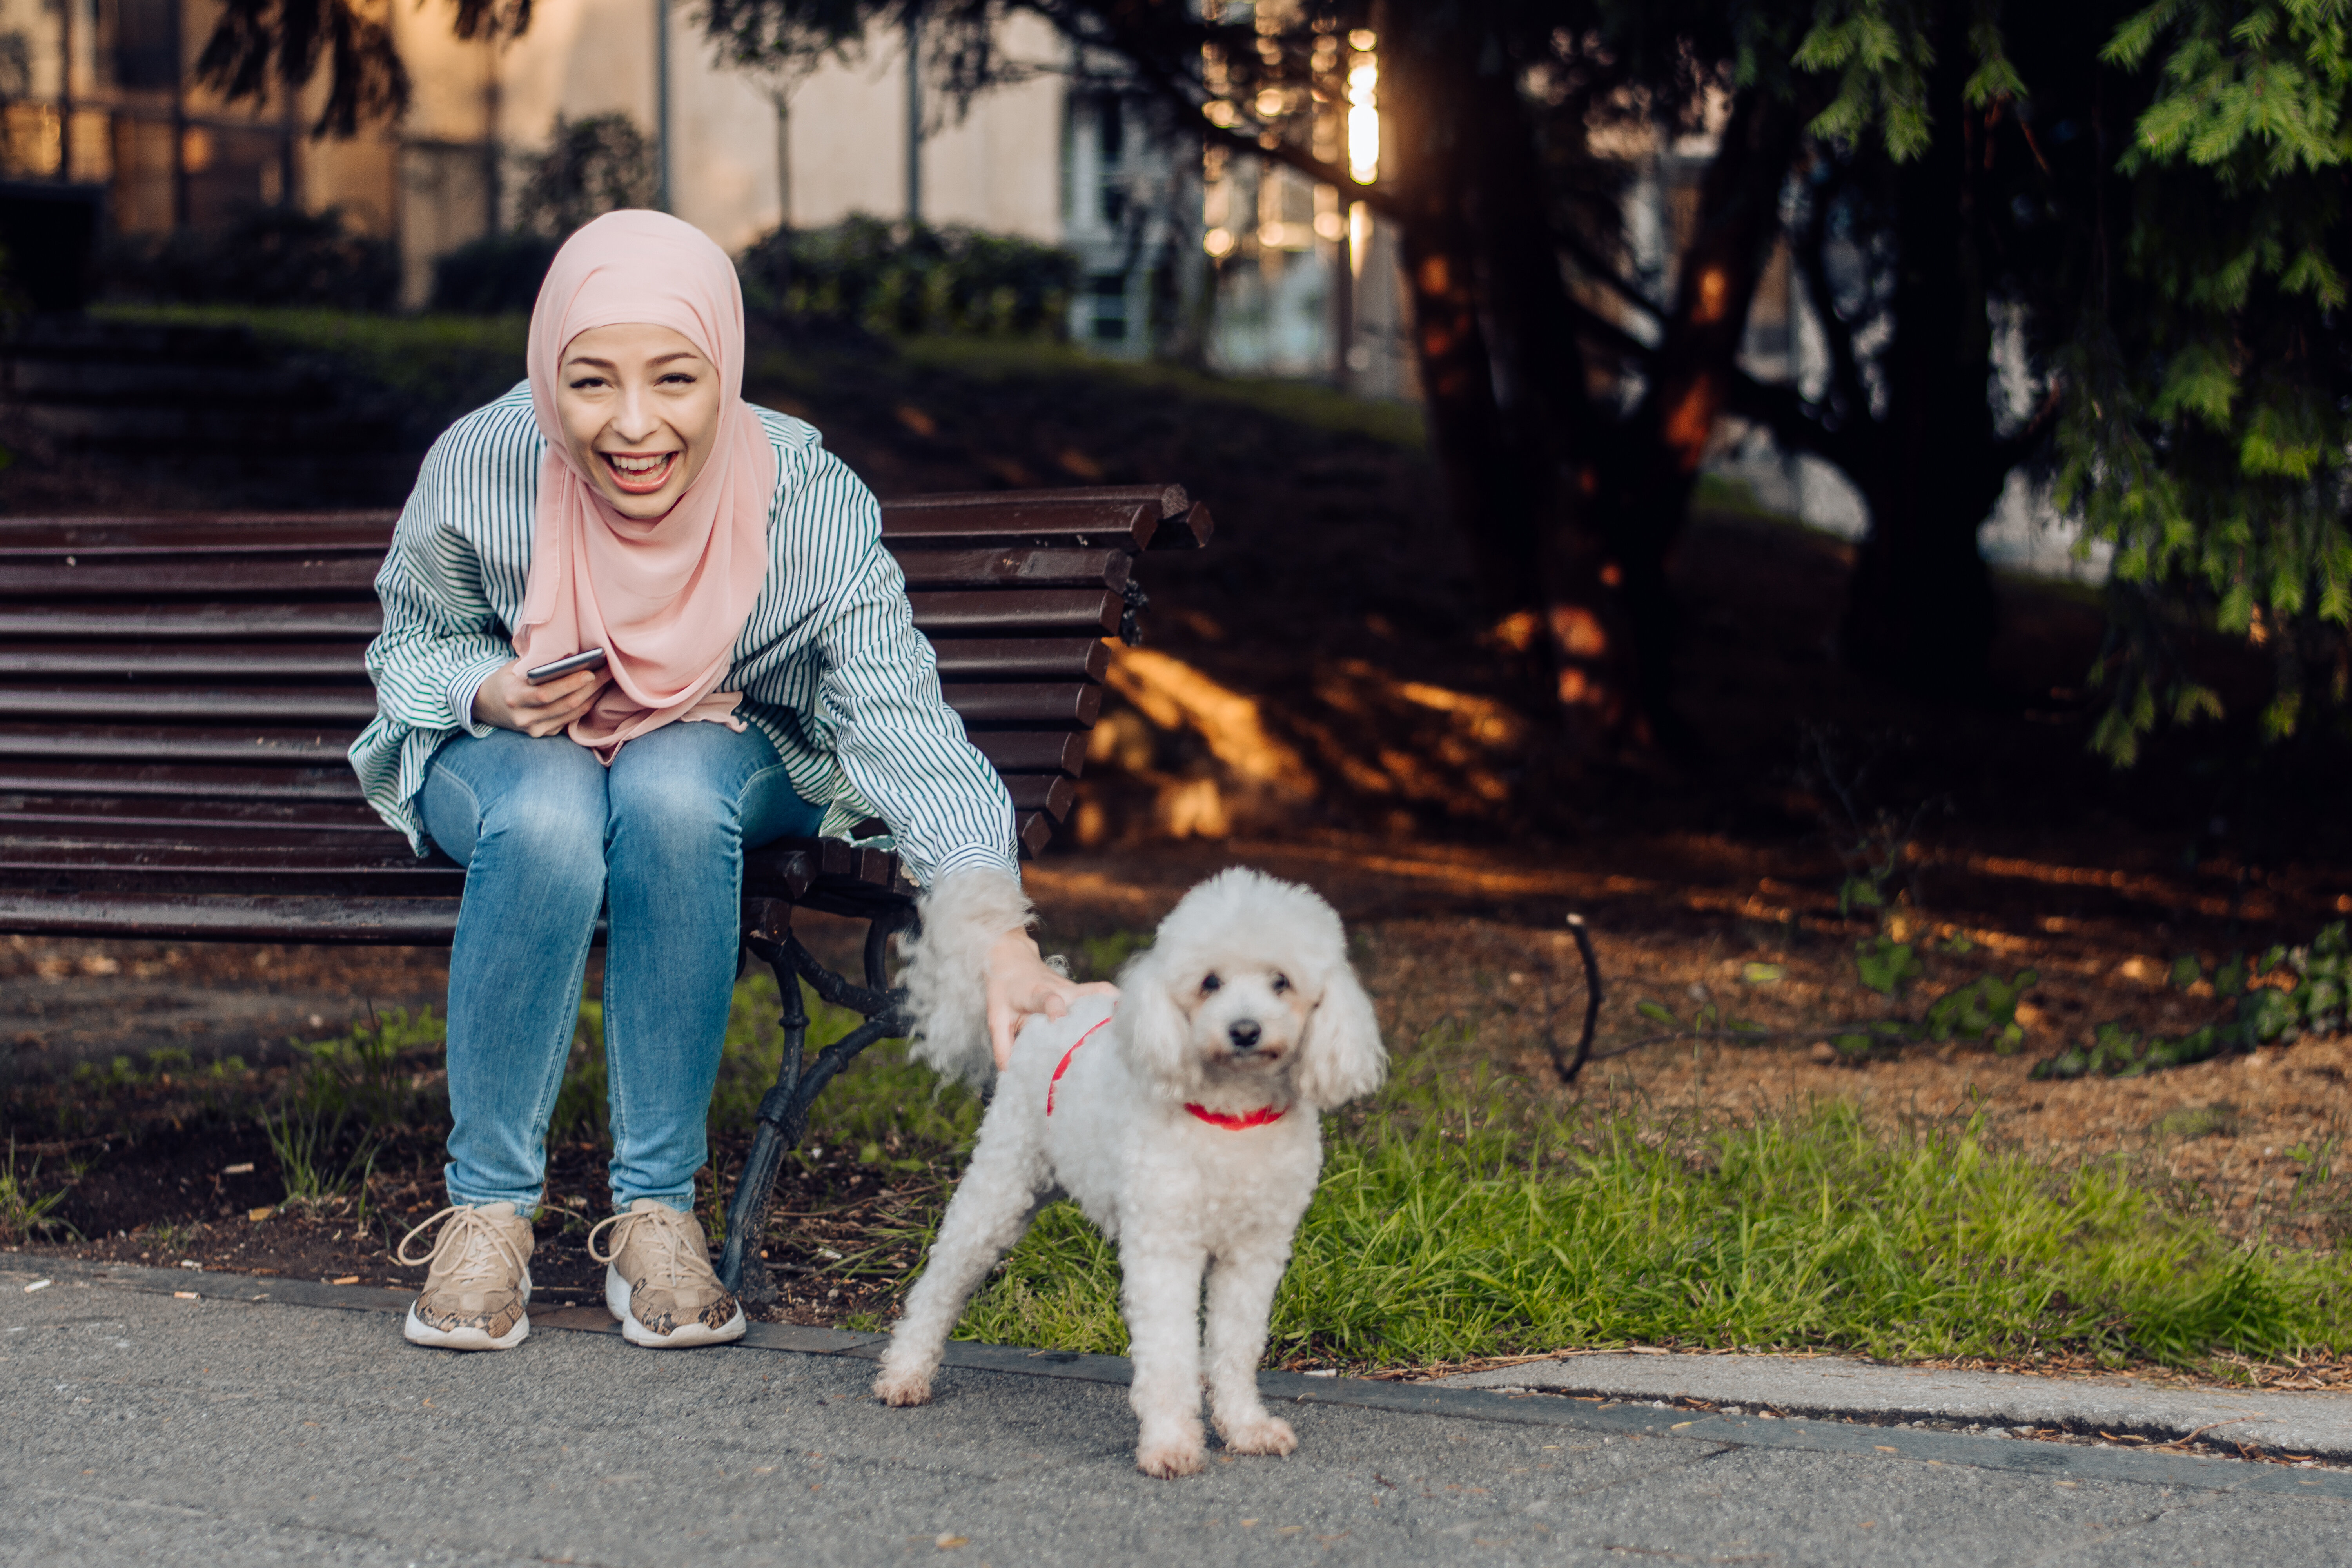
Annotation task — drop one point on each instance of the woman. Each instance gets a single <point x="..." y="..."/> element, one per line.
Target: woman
<point x="762" y="679"/>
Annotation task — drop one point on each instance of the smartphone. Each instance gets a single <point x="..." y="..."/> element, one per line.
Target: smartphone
<point x="592" y="659"/>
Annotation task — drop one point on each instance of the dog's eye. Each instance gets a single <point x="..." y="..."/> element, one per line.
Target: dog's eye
<point x="1281" y="984"/>
<point x="1209" y="983"/>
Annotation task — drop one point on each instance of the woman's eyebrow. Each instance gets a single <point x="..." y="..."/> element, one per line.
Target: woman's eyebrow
<point x="657" y="359"/>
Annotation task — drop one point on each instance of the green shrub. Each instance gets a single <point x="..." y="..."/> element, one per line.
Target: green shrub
<point x="266" y="256"/>
<point x="497" y="275"/>
<point x="903" y="279"/>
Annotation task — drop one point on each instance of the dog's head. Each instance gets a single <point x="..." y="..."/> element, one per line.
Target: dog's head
<point x="1247" y="997"/>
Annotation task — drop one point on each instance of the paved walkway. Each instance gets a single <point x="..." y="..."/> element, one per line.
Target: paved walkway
<point x="247" y="1423"/>
<point x="2315" y="1424"/>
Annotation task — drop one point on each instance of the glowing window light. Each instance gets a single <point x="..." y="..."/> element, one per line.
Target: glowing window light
<point x="1363" y="121"/>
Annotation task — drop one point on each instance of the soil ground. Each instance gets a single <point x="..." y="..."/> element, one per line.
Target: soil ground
<point x="1322" y="696"/>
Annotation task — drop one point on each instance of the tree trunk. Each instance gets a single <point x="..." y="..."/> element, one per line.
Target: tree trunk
<point x="1688" y="380"/>
<point x="1510" y="418"/>
<point x="1919" y="607"/>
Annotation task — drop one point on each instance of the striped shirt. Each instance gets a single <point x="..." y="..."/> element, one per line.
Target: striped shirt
<point x="831" y="667"/>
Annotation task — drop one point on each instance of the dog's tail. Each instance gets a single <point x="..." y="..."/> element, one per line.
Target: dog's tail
<point x="963" y="915"/>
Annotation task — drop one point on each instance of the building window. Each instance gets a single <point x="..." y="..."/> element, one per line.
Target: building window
<point x="146" y="45"/>
<point x="1109" y="292"/>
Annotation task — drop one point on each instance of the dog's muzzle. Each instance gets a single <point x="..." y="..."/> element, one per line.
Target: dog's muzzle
<point x="1244" y="1033"/>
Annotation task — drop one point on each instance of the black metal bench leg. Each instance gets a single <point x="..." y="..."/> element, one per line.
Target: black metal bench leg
<point x="740" y="1267"/>
<point x="784" y="1110"/>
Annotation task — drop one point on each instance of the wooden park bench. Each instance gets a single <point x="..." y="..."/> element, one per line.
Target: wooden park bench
<point x="177" y="695"/>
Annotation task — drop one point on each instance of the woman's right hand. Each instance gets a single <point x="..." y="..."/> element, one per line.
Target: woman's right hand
<point x="509" y="703"/>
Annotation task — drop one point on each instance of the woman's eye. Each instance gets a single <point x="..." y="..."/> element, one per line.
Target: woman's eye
<point x="1281" y="984"/>
<point x="1210" y="983"/>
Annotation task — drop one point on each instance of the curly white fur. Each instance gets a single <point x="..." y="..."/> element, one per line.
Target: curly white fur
<point x="963" y="916"/>
<point x="1245" y="1003"/>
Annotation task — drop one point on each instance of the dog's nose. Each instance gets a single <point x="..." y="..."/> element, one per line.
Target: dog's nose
<point x="1243" y="1034"/>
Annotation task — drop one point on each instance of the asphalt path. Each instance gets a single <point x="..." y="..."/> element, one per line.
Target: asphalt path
<point x="224" y="1429"/>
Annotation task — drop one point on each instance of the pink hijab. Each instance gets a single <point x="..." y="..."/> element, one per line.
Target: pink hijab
<point x="666" y="599"/>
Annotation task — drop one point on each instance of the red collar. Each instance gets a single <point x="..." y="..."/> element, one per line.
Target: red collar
<point x="1064" y="1065"/>
<point x="1263" y="1116"/>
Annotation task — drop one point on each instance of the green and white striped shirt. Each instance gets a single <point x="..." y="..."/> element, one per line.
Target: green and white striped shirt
<point x="830" y="665"/>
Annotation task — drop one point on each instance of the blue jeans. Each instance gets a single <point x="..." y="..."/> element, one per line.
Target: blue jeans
<point x="548" y="835"/>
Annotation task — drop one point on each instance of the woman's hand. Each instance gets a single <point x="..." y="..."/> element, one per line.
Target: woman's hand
<point x="1021" y="987"/>
<point x="509" y="701"/>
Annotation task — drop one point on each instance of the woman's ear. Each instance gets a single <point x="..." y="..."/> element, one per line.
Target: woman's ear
<point x="1154" y="1032"/>
<point x="1340" y="1058"/>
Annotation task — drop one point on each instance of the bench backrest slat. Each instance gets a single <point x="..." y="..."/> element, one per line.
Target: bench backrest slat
<point x="177" y="695"/>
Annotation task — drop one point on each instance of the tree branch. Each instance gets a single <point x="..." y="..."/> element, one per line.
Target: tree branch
<point x="1795" y="423"/>
<point x="1602" y="272"/>
<point x="1611" y="335"/>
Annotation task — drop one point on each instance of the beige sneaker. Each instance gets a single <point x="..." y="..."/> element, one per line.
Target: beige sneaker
<point x="658" y="1282"/>
<point x="479" y="1281"/>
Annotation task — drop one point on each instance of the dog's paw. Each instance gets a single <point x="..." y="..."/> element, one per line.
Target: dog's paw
<point x="1173" y="1458"/>
<point x="903" y="1388"/>
<point x="1266" y="1435"/>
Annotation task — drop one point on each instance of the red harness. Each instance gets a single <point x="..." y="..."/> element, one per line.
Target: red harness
<point x="1064" y="1065"/>
<point x="1263" y="1116"/>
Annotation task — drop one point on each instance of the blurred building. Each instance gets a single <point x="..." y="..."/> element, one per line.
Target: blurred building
<point x="1247" y="269"/>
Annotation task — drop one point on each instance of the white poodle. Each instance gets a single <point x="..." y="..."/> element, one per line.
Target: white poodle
<point x="1184" y="1117"/>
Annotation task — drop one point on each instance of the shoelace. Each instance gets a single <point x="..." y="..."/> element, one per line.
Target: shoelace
<point x="671" y="1251"/>
<point x="478" y="1243"/>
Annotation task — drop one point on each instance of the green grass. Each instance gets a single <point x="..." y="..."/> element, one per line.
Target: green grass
<point x="442" y="365"/>
<point x="1449" y="1226"/>
<point x="455" y="362"/>
<point x="1300" y="402"/>
<point x="24" y="1214"/>
<point x="1460" y="1218"/>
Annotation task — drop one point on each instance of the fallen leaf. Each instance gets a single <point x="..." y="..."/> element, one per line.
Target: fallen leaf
<point x="950" y="1543"/>
<point x="263" y="1213"/>
<point x="1885" y="1449"/>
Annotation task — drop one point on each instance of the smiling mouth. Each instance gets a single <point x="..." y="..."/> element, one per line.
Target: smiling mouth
<point x="639" y="473"/>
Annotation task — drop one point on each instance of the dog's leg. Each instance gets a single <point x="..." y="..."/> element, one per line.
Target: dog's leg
<point x="1241" y="1299"/>
<point x="991" y="1211"/>
<point x="1163" y="1304"/>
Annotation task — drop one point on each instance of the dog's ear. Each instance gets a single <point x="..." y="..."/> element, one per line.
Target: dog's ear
<point x="1153" y="1030"/>
<point x="1340" y="1058"/>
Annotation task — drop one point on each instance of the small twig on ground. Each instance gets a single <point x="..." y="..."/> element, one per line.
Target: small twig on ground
<point x="1569" y="1069"/>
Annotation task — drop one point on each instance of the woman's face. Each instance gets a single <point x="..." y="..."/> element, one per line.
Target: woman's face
<point x="640" y="410"/>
